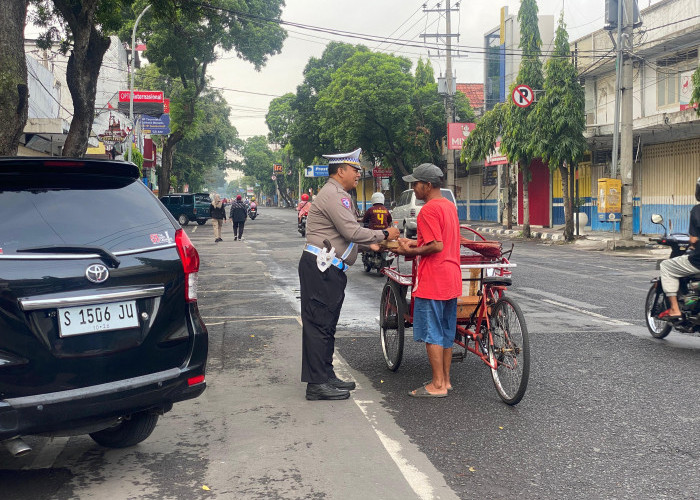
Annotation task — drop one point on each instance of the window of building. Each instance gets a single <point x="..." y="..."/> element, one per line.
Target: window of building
<point x="668" y="76"/>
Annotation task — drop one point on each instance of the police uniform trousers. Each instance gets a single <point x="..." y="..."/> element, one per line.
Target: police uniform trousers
<point x="322" y="295"/>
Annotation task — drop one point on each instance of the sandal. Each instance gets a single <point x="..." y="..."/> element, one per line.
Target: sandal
<point x="422" y="392"/>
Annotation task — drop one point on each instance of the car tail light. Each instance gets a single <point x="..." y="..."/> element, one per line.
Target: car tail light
<point x="195" y="380"/>
<point x="190" y="263"/>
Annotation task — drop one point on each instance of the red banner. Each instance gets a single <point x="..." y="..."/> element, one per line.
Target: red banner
<point x="496" y="158"/>
<point x="141" y="96"/>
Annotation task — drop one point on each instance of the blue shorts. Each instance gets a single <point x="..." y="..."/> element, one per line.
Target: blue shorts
<point x="435" y="321"/>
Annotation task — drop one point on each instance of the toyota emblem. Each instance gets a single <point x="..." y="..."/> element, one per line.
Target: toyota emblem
<point x="97" y="273"/>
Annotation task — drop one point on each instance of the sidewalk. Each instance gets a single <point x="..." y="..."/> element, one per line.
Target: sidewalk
<point x="589" y="240"/>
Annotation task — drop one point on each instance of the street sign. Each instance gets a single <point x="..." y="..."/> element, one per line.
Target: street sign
<point x="155" y="126"/>
<point x="276" y="167"/>
<point x="522" y="96"/>
<point x="316" y="171"/>
<point x="379" y="172"/>
<point x="273" y="177"/>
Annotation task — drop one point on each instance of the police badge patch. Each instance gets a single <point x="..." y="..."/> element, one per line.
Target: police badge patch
<point x="346" y="203"/>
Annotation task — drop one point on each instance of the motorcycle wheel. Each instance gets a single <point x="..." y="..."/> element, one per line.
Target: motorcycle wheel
<point x="652" y="306"/>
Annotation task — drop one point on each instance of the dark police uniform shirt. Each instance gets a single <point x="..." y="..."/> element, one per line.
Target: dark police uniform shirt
<point x="332" y="217"/>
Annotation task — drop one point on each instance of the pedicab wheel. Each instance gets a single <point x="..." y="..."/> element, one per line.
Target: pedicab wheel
<point x="655" y="304"/>
<point x="392" y="309"/>
<point x="509" y="351"/>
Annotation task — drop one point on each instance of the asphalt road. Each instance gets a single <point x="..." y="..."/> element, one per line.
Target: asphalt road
<point x="609" y="412"/>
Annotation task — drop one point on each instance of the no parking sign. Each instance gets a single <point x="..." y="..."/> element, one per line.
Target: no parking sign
<point x="522" y="96"/>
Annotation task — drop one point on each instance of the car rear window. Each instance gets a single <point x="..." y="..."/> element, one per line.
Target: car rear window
<point x="116" y="213"/>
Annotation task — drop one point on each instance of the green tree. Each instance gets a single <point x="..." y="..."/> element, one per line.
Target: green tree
<point x="14" y="101"/>
<point x="87" y="25"/>
<point x="258" y="160"/>
<point x="368" y="104"/>
<point x="559" y="119"/>
<point x="481" y="143"/>
<point x="208" y="138"/>
<point x="280" y="119"/>
<point x="212" y="135"/>
<point x="305" y="137"/>
<point x="517" y="134"/>
<point x="184" y="38"/>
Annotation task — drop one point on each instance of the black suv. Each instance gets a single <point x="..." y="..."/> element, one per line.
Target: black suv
<point x="99" y="327"/>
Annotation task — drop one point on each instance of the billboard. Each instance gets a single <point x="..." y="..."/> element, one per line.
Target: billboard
<point x="146" y="102"/>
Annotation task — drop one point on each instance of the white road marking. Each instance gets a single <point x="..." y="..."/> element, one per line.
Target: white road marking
<point x="417" y="480"/>
<point x="558" y="297"/>
<point x="604" y="319"/>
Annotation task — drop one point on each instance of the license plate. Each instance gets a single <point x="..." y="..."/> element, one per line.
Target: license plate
<point x="97" y="318"/>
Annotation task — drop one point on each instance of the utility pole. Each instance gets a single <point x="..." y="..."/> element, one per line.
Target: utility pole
<point x="449" y="96"/>
<point x="450" y="100"/>
<point x="131" y="84"/>
<point x="626" y="133"/>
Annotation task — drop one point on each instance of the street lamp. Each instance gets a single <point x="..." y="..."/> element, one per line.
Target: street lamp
<point x="131" y="82"/>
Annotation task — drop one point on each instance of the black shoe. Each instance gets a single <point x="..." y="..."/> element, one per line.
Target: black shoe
<point x="341" y="384"/>
<point x="315" y="392"/>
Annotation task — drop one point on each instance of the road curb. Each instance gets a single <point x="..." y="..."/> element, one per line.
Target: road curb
<point x="515" y="232"/>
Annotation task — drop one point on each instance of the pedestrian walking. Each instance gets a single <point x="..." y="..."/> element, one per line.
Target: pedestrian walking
<point x="217" y="212"/>
<point x="238" y="214"/>
<point x="438" y="278"/>
<point x="332" y="238"/>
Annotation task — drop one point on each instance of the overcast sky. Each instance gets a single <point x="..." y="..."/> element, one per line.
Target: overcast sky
<point x="398" y="19"/>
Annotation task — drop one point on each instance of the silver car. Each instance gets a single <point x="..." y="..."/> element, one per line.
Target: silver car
<point x="406" y="210"/>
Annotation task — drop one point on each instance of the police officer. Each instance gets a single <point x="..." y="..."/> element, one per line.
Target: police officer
<point x="332" y="238"/>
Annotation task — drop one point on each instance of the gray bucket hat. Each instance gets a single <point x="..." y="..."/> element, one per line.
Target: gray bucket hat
<point x="425" y="172"/>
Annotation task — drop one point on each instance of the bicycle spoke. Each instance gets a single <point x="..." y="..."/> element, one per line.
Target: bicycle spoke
<point x="509" y="350"/>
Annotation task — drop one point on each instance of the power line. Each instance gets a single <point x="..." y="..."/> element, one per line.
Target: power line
<point x="362" y="36"/>
<point x="397" y="29"/>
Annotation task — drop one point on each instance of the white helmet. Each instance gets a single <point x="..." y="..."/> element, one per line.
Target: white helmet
<point x="377" y="198"/>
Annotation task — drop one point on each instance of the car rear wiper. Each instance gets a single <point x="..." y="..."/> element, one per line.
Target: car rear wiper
<point x="107" y="256"/>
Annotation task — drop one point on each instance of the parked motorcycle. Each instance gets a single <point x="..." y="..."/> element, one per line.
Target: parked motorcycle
<point x="253" y="211"/>
<point x="376" y="260"/>
<point x="301" y="225"/>
<point x="657" y="303"/>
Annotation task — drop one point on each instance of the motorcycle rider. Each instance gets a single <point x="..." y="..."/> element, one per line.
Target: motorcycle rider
<point x="377" y="216"/>
<point x="684" y="265"/>
<point x="303" y="206"/>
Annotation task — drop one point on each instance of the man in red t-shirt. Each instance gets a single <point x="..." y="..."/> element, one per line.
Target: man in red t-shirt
<point x="439" y="278"/>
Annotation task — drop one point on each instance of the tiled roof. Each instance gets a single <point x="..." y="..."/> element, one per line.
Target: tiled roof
<point x="475" y="93"/>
